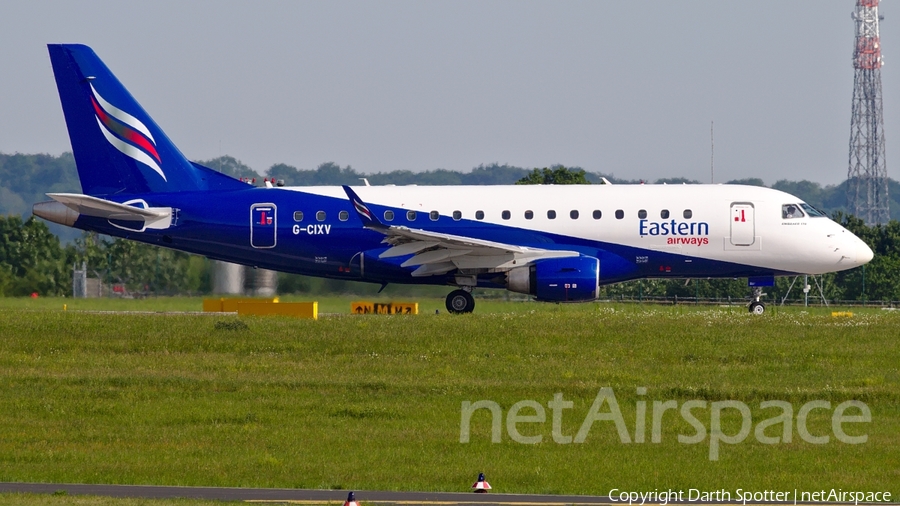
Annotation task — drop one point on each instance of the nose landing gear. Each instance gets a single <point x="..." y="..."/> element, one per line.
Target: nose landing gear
<point x="757" y="307"/>
<point x="460" y="301"/>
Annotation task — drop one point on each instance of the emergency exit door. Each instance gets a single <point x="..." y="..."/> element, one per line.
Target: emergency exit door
<point x="743" y="224"/>
<point x="263" y="225"/>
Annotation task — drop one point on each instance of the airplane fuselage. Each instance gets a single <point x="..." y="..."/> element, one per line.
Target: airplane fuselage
<point x="636" y="231"/>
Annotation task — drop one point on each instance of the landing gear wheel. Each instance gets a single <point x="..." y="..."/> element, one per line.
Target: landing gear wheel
<point x="460" y="301"/>
<point x="757" y="307"/>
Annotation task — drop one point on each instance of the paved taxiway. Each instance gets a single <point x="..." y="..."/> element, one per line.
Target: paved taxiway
<point x="299" y="496"/>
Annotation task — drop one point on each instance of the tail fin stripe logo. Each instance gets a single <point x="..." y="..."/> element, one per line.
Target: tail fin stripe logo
<point x="122" y="116"/>
<point x="118" y="126"/>
<point x="131" y="151"/>
<point x="125" y="132"/>
<point x="362" y="209"/>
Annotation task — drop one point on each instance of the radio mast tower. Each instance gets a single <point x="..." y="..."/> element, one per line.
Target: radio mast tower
<point x="867" y="181"/>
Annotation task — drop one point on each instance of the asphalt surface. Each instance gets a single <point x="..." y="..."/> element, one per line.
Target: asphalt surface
<point x="276" y="495"/>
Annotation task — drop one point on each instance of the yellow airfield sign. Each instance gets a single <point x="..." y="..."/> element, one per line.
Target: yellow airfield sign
<point x="368" y="307"/>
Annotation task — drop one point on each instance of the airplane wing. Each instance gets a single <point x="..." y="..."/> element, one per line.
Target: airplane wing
<point x="437" y="253"/>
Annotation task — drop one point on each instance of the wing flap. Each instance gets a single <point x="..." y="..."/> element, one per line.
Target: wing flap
<point x="434" y="256"/>
<point x="433" y="269"/>
<point x="408" y="248"/>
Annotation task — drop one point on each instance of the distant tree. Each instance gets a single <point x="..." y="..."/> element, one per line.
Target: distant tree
<point x="750" y="181"/>
<point x="287" y="173"/>
<point x="142" y="267"/>
<point x="32" y="259"/>
<point x="330" y="173"/>
<point x="676" y="180"/>
<point x="557" y="175"/>
<point x="25" y="179"/>
<point x="230" y="166"/>
<point x="437" y="177"/>
<point x="810" y="192"/>
<point x="880" y="278"/>
<point x="327" y="174"/>
<point x="494" y="173"/>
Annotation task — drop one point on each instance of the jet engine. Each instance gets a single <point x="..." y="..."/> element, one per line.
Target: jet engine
<point x="572" y="279"/>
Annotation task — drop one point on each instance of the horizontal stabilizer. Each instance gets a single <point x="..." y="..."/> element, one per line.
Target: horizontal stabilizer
<point x="153" y="217"/>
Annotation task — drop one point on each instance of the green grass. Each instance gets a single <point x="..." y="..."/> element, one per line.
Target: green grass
<point x="74" y="500"/>
<point x="373" y="402"/>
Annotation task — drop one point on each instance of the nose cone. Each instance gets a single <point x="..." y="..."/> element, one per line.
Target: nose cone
<point x="864" y="253"/>
<point x="855" y="251"/>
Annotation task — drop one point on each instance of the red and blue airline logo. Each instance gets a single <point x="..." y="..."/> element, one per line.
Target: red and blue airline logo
<point x="126" y="133"/>
<point x="362" y="209"/>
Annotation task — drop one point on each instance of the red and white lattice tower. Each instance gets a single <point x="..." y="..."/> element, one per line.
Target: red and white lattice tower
<point x="867" y="181"/>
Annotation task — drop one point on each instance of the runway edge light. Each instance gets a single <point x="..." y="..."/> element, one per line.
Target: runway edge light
<point x="481" y="485"/>
<point x="351" y="500"/>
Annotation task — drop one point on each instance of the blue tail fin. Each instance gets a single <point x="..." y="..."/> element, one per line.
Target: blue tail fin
<point x="118" y="148"/>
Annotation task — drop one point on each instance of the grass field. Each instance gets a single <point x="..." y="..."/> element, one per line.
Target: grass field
<point x="68" y="500"/>
<point x="374" y="402"/>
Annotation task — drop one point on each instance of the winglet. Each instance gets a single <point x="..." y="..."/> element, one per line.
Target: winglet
<point x="362" y="210"/>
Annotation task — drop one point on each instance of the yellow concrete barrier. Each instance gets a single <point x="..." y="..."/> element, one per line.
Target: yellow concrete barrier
<point x="229" y="305"/>
<point x="212" y="305"/>
<point x="295" y="309"/>
<point x="368" y="307"/>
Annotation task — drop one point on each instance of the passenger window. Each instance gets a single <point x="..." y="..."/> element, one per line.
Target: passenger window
<point x="791" y="211"/>
<point x="597" y="214"/>
<point x="411" y="215"/>
<point x="298" y="215"/>
<point x="688" y="214"/>
<point x="343" y="216"/>
<point x="529" y="215"/>
<point x="389" y="216"/>
<point x="457" y="215"/>
<point x="642" y="214"/>
<point x="664" y="214"/>
<point x="434" y="215"/>
<point x="320" y="215"/>
<point x="620" y="214"/>
<point x="479" y="215"/>
<point x="505" y="215"/>
<point x="573" y="214"/>
<point x="551" y="215"/>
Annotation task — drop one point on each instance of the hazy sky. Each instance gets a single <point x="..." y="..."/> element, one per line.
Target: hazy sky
<point x="627" y="88"/>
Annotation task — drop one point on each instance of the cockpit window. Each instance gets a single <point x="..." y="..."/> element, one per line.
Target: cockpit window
<point x="791" y="211"/>
<point x="812" y="211"/>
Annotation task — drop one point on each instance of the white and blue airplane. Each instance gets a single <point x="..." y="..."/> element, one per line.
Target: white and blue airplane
<point x="557" y="243"/>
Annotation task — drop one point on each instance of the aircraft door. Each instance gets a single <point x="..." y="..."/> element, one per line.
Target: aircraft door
<point x="263" y="225"/>
<point x="743" y="224"/>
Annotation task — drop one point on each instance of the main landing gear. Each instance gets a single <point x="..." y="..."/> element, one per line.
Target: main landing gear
<point x="460" y="301"/>
<point x="757" y="307"/>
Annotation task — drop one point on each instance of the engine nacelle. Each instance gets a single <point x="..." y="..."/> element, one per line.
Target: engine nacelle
<point x="557" y="279"/>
